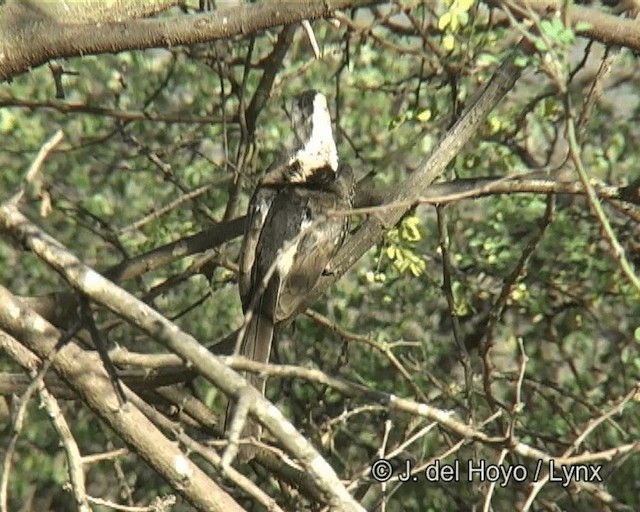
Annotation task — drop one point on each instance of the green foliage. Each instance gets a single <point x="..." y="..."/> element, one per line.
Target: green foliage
<point x="555" y="31"/>
<point x="456" y="17"/>
<point x="401" y="242"/>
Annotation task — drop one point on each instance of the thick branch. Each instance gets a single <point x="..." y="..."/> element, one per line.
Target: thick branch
<point x="95" y="389"/>
<point x="29" y="41"/>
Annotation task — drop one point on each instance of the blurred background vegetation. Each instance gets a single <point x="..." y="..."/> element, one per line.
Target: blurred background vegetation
<point x="153" y="127"/>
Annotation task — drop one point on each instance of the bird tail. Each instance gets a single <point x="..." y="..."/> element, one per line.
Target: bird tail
<point x="255" y="345"/>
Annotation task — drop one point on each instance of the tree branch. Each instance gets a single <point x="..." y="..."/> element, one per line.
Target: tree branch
<point x="29" y="37"/>
<point x="96" y="391"/>
<point x="597" y="25"/>
<point x="104" y="292"/>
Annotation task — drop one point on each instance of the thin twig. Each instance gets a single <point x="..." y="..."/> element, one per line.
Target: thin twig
<point x="447" y="287"/>
<point x="74" y="459"/>
<point x="617" y="251"/>
<point x="156" y="214"/>
<point x="312" y="38"/>
<point x="36" y="166"/>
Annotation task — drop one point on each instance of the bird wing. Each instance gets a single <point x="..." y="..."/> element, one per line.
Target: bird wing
<point x="318" y="241"/>
<point x="275" y="178"/>
<point x="257" y="214"/>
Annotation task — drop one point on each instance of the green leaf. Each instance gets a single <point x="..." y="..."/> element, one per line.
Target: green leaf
<point x="424" y="115"/>
<point x="444" y="21"/>
<point x="448" y="42"/>
<point x="540" y="45"/>
<point x="411" y="229"/>
<point x="465" y="5"/>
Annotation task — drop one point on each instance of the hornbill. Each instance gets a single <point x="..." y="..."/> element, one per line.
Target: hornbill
<point x="290" y="235"/>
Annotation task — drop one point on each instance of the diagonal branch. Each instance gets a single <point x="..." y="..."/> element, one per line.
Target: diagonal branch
<point x="95" y="389"/>
<point x="104" y="292"/>
<point x="412" y="189"/>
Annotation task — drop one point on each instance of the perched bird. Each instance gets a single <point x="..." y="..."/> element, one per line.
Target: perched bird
<point x="290" y="235"/>
<point x="314" y="162"/>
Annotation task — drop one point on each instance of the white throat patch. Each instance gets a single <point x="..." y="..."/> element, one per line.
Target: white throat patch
<point x="320" y="150"/>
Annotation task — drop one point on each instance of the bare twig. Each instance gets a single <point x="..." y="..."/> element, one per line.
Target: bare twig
<point x="70" y="107"/>
<point x="312" y="38"/>
<point x="447" y="287"/>
<point x="74" y="459"/>
<point x="617" y="251"/>
<point x="156" y="214"/>
<point x="32" y="174"/>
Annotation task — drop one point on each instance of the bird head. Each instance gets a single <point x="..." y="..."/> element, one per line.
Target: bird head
<point x="311" y="124"/>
